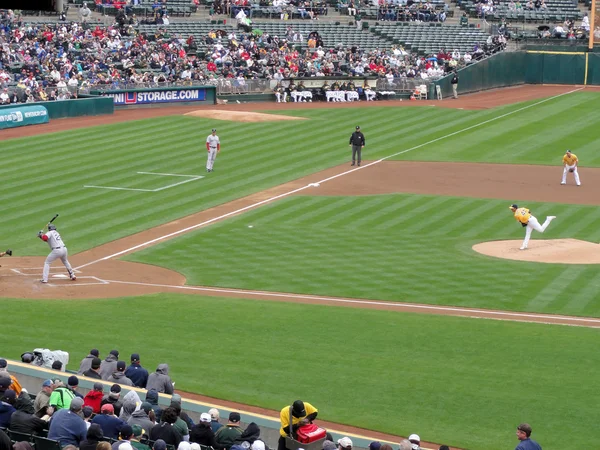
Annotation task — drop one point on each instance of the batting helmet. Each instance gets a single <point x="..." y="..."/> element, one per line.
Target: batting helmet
<point x="51" y="227"/>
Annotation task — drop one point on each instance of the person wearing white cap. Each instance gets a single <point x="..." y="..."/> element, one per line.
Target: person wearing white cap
<point x="258" y="445"/>
<point x="202" y="432"/>
<point x="415" y="440"/>
<point x="214" y="422"/>
<point x="345" y="443"/>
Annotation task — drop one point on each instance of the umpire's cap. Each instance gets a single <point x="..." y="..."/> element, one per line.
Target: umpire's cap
<point x="357" y="127"/>
<point x="513" y="206"/>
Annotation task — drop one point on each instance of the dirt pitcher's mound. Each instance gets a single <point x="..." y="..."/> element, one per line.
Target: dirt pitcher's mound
<point x="556" y="251"/>
<point x="240" y="116"/>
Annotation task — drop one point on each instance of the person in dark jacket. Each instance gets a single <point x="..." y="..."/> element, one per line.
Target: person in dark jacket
<point x="136" y="373"/>
<point x="7" y="407"/>
<point x="113" y="398"/>
<point x="5" y="443"/>
<point x="152" y="398"/>
<point x="86" y="363"/>
<point x="94" y="435"/>
<point x="109" y="365"/>
<point x="111" y="424"/>
<point x="454" y="83"/>
<point x="251" y="433"/>
<point x="203" y="434"/>
<point x="176" y="403"/>
<point x="357" y="142"/>
<point x="94" y="370"/>
<point x="24" y="420"/>
<point x="230" y="433"/>
<point x="165" y="430"/>
<point x="67" y="426"/>
<point x="160" y="380"/>
<point x="214" y="423"/>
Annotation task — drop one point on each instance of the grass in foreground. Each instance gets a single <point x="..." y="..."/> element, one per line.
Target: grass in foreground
<point x="254" y="157"/>
<point x="463" y="382"/>
<point x="408" y="248"/>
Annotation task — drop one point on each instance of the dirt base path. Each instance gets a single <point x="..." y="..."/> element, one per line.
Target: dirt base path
<point x="480" y="100"/>
<point x="102" y="275"/>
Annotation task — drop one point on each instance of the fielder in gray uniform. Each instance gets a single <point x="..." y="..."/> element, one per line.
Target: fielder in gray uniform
<point x="213" y="146"/>
<point x="59" y="250"/>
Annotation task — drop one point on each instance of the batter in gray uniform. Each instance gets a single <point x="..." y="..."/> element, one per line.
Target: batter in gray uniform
<point x="213" y="146"/>
<point x="357" y="141"/>
<point x="59" y="250"/>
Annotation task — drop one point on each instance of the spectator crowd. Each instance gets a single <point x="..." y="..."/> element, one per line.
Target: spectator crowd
<point x="40" y="62"/>
<point x="109" y="421"/>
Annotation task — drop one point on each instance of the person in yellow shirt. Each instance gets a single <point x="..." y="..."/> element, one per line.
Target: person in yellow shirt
<point x="301" y="413"/>
<point x="526" y="219"/>
<point x="570" y="162"/>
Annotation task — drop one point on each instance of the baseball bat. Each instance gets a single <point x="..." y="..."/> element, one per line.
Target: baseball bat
<point x="52" y="220"/>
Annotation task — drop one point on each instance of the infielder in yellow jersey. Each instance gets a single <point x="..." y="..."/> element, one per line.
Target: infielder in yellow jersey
<point x="570" y="162"/>
<point x="524" y="217"/>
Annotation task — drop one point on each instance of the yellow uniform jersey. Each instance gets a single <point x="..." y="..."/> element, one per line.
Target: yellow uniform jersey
<point x="522" y="215"/>
<point x="284" y="416"/>
<point x="569" y="159"/>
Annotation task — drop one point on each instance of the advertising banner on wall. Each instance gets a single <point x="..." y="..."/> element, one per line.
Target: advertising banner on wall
<point x="149" y="96"/>
<point x="19" y="116"/>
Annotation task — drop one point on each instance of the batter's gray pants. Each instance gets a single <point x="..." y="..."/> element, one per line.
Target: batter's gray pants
<point x="54" y="255"/>
<point x="212" y="155"/>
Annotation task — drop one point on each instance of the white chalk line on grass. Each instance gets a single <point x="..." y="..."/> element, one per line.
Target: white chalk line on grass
<point x="294" y="191"/>
<point x="116" y="188"/>
<point x="465" y="312"/>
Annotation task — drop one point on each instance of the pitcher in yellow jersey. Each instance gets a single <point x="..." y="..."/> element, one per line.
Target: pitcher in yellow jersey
<point x="525" y="218"/>
<point x="570" y="162"/>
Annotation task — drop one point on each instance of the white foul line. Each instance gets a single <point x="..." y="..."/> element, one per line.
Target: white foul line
<point x="285" y="194"/>
<point x="115" y="188"/>
<point x="466" y="311"/>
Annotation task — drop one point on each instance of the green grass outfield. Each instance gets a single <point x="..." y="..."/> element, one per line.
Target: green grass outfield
<point x="464" y="382"/>
<point x="403" y="375"/>
<point x="44" y="175"/>
<point x="398" y="247"/>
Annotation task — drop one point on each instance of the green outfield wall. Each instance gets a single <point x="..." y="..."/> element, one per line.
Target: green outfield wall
<point x="91" y="106"/>
<point x="527" y="67"/>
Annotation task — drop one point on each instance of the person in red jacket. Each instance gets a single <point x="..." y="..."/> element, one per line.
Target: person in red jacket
<point x="94" y="397"/>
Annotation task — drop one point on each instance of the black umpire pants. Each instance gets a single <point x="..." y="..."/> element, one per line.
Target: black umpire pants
<point x="281" y="444"/>
<point x="356" y="153"/>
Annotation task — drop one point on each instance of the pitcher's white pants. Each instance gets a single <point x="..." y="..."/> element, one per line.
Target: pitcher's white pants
<point x="575" y="174"/>
<point x="54" y="255"/>
<point x="533" y="224"/>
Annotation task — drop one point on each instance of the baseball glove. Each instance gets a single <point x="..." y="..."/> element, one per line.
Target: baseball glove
<point x="571" y="170"/>
<point x="9" y="252"/>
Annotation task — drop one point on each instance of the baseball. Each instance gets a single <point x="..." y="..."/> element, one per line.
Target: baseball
<point x="250" y="226"/>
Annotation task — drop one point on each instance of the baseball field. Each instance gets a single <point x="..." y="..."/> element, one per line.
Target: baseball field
<point x="286" y="273"/>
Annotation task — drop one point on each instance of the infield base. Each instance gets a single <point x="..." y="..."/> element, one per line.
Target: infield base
<point x="555" y="251"/>
<point x="240" y="116"/>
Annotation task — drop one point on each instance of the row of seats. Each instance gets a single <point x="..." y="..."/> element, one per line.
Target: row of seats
<point x="425" y="39"/>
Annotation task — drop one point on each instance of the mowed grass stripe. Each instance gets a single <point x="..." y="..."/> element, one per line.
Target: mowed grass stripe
<point x="423" y="249"/>
<point x="254" y="157"/>
<point x="438" y="351"/>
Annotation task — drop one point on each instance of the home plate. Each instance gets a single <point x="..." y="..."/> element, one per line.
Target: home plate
<point x="60" y="275"/>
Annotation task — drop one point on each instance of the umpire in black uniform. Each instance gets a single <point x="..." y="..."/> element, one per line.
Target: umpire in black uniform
<point x="357" y="141"/>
